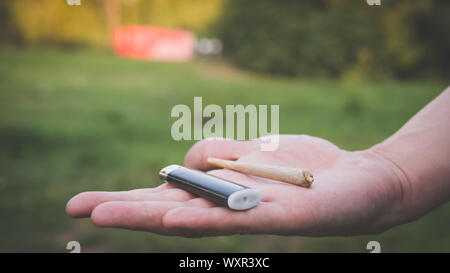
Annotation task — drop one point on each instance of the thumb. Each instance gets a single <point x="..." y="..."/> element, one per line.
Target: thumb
<point x="197" y="156"/>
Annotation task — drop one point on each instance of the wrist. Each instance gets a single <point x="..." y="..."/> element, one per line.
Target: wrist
<point x="397" y="187"/>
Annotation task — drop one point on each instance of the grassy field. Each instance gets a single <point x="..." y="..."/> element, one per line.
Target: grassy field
<point x="72" y="121"/>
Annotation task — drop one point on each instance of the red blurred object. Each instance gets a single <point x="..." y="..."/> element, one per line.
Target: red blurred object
<point x="154" y="43"/>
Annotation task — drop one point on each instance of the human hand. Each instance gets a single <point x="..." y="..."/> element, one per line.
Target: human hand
<point x="353" y="193"/>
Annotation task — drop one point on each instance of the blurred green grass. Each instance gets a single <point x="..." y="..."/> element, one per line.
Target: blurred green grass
<point x="79" y="120"/>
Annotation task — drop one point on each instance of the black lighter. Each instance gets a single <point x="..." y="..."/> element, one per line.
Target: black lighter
<point x="218" y="190"/>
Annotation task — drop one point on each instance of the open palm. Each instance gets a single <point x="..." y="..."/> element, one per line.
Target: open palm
<point x="353" y="193"/>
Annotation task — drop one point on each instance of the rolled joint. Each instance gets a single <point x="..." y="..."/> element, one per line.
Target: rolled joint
<point x="308" y="177"/>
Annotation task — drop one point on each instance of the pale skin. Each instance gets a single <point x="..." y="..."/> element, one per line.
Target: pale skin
<point x="358" y="192"/>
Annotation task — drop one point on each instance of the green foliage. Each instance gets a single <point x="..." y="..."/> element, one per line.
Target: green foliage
<point x="93" y="22"/>
<point x="402" y="38"/>
<point x="433" y="34"/>
<point x="194" y="15"/>
<point x="291" y="38"/>
<point x="333" y="38"/>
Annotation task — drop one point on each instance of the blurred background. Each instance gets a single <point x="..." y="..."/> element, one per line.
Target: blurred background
<point x="86" y="93"/>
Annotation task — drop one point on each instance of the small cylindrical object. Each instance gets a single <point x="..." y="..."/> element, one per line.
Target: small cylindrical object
<point x="296" y="176"/>
<point x="217" y="190"/>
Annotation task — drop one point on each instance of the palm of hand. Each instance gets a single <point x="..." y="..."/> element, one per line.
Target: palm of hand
<point x="353" y="193"/>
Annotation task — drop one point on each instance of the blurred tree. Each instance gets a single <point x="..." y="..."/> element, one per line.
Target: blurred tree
<point x="112" y="14"/>
<point x="195" y="15"/>
<point x="6" y="26"/>
<point x="93" y="22"/>
<point x="308" y="38"/>
<point x="49" y="21"/>
<point x="337" y="37"/>
<point x="432" y="33"/>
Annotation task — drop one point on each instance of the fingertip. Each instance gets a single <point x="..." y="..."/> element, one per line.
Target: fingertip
<point x="69" y="209"/>
<point x="193" y="158"/>
<point x="100" y="215"/>
<point x="74" y="207"/>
